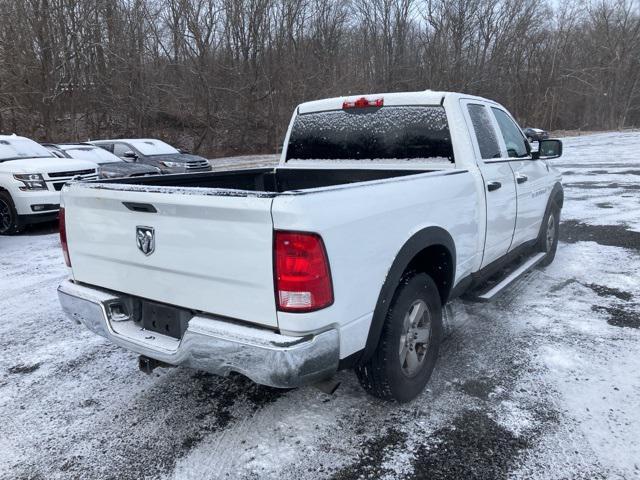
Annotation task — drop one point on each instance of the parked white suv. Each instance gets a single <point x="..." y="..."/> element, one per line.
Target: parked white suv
<point x="31" y="178"/>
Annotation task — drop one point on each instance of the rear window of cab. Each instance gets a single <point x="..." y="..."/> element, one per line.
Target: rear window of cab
<point x="411" y="133"/>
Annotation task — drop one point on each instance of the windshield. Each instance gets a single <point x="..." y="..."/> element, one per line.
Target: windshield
<point x="153" y="147"/>
<point x="411" y="133"/>
<point x="17" y="148"/>
<point x="93" y="154"/>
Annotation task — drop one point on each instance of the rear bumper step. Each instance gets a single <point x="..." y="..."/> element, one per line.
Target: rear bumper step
<point x="209" y="344"/>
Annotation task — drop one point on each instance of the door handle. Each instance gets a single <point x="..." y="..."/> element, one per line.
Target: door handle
<point x="521" y="178"/>
<point x="491" y="186"/>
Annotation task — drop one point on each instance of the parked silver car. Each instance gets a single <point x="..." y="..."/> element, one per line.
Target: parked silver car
<point x="156" y="153"/>
<point x="109" y="165"/>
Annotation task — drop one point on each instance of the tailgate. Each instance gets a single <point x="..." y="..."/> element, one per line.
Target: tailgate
<point x="210" y="251"/>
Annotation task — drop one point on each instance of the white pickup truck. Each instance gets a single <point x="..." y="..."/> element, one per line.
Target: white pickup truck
<point x="382" y="209"/>
<point x="31" y="178"/>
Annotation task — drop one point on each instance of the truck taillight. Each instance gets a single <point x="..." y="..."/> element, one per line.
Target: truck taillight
<point x="362" y="102"/>
<point x="63" y="237"/>
<point x="302" y="275"/>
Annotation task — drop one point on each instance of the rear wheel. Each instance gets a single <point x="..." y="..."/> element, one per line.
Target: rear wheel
<point x="8" y="215"/>
<point x="549" y="234"/>
<point x="409" y="343"/>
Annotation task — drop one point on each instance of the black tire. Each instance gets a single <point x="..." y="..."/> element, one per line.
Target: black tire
<point x="8" y="215"/>
<point x="549" y="234"/>
<point x="385" y="375"/>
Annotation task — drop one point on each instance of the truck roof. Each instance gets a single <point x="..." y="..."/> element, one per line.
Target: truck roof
<point x="425" y="97"/>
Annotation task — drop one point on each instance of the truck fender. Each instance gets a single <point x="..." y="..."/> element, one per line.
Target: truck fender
<point x="555" y="198"/>
<point x="424" y="238"/>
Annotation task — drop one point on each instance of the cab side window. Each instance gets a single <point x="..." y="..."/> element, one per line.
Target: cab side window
<point x="107" y="146"/>
<point x="513" y="138"/>
<point x="120" y="148"/>
<point x="485" y="133"/>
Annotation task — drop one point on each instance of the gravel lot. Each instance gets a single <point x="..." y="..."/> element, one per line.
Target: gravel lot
<point x="542" y="383"/>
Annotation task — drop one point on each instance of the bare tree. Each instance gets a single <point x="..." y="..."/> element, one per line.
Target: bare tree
<point x="222" y="76"/>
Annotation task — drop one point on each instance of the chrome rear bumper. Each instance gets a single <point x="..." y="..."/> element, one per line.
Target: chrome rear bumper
<point x="208" y="344"/>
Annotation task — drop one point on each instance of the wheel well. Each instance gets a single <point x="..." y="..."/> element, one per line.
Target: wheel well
<point x="430" y="250"/>
<point x="560" y="198"/>
<point x="436" y="262"/>
<point x="557" y="195"/>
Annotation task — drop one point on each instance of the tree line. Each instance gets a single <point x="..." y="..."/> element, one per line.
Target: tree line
<point x="223" y="76"/>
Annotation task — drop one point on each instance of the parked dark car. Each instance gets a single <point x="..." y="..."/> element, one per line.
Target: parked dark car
<point x="157" y="153"/>
<point x="535" y="134"/>
<point x="109" y="165"/>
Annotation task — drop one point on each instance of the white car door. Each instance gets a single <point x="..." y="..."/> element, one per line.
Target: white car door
<point x="500" y="190"/>
<point x="531" y="178"/>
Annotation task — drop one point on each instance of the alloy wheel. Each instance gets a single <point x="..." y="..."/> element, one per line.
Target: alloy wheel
<point x="551" y="232"/>
<point x="415" y="338"/>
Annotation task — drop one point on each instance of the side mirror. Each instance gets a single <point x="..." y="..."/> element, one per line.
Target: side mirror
<point x="184" y="151"/>
<point x="130" y="154"/>
<point x="548" y="150"/>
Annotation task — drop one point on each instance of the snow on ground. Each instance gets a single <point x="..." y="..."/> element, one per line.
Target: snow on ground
<point x="247" y="161"/>
<point x="603" y="188"/>
<point x="542" y="383"/>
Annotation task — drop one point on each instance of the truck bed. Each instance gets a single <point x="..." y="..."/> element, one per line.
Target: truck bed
<point x="212" y="233"/>
<point x="270" y="180"/>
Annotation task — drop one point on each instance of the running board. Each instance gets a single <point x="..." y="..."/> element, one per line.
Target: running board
<point x="509" y="279"/>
